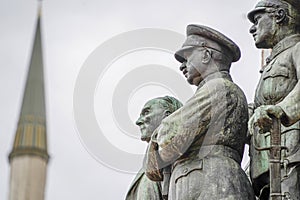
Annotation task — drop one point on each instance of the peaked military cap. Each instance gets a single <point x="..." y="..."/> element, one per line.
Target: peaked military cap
<point x="203" y="36"/>
<point x="293" y="7"/>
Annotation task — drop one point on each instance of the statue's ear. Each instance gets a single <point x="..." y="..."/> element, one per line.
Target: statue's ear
<point x="167" y="113"/>
<point x="280" y="15"/>
<point x="206" y="56"/>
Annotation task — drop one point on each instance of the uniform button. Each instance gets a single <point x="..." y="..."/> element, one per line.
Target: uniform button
<point x="185" y="170"/>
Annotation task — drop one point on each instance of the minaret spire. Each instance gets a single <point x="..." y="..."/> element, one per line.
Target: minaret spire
<point x="31" y="131"/>
<point x="29" y="155"/>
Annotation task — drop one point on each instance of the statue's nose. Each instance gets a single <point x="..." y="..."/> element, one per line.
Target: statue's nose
<point x="252" y="29"/>
<point x="139" y="121"/>
<point x="182" y="66"/>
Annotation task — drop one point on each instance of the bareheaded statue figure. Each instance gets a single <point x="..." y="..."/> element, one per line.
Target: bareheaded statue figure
<point x="276" y="26"/>
<point x="153" y="112"/>
<point x="204" y="140"/>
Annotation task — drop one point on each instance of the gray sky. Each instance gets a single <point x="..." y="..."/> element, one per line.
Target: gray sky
<point x="72" y="31"/>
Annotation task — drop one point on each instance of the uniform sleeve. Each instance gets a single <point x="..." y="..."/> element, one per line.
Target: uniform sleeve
<point x="179" y="130"/>
<point x="176" y="133"/>
<point x="251" y="109"/>
<point x="154" y="165"/>
<point x="291" y="103"/>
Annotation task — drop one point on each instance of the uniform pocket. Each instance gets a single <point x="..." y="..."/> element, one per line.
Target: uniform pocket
<point x="275" y="82"/>
<point x="277" y="72"/>
<point x="183" y="169"/>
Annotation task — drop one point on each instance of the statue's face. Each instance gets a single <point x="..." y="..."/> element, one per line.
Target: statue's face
<point x="192" y="68"/>
<point x="150" y="118"/>
<point x="263" y="30"/>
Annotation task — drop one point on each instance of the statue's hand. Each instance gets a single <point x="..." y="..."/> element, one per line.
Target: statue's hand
<point x="262" y="118"/>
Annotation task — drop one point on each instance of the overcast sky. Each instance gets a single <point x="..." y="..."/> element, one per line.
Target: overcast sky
<point x="78" y="34"/>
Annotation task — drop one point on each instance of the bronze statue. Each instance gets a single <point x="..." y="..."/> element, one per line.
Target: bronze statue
<point x="151" y="116"/>
<point x="276" y="26"/>
<point x="204" y="140"/>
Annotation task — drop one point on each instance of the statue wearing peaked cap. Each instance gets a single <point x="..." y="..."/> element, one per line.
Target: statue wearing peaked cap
<point x="204" y="140"/>
<point x="276" y="26"/>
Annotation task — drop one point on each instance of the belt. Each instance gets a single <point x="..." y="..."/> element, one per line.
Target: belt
<point x="210" y="150"/>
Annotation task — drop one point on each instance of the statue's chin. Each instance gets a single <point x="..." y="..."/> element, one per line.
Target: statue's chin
<point x="146" y="139"/>
<point x="262" y="45"/>
<point x="259" y="45"/>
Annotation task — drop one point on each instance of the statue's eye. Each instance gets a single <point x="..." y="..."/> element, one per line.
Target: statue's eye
<point x="256" y="18"/>
<point x="145" y="112"/>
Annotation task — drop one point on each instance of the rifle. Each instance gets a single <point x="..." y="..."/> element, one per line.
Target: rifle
<point x="275" y="159"/>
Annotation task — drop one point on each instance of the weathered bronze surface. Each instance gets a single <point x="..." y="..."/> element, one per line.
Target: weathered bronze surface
<point x="153" y="112"/>
<point x="277" y="26"/>
<point x="204" y="140"/>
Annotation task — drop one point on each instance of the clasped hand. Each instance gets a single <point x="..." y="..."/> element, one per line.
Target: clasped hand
<point x="262" y="118"/>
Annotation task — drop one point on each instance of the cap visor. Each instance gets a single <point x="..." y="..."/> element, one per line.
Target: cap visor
<point x="253" y="12"/>
<point x="179" y="54"/>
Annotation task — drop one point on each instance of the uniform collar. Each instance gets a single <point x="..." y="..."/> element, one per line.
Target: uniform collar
<point x="283" y="45"/>
<point x="220" y="74"/>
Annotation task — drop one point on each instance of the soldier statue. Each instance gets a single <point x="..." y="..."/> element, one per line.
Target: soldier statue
<point x="276" y="26"/>
<point x="151" y="116"/>
<point x="204" y="140"/>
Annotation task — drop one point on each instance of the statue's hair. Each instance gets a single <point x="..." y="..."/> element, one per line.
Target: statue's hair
<point x="170" y="103"/>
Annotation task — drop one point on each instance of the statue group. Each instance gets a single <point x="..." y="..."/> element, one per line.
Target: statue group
<point x="195" y="150"/>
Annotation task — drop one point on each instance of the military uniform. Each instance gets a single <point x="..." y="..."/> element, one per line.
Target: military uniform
<point x="142" y="188"/>
<point x="279" y="85"/>
<point x="204" y="140"/>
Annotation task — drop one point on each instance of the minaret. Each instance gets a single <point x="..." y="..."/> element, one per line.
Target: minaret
<point x="29" y="156"/>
